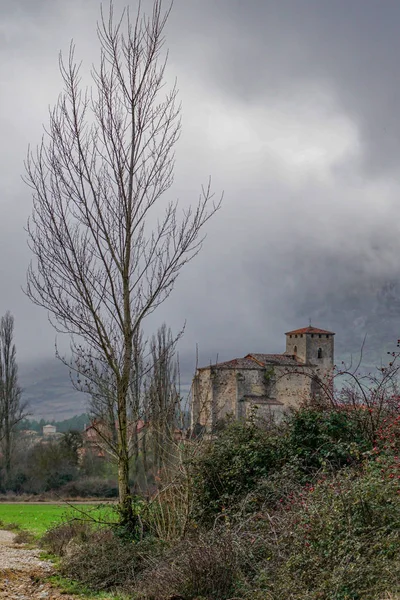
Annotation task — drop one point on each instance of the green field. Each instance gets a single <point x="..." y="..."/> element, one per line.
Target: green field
<point x="37" y="518"/>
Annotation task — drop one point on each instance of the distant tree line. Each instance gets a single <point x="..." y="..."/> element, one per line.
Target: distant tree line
<point x="12" y="409"/>
<point x="75" y="423"/>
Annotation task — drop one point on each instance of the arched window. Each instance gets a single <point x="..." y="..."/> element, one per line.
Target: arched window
<point x="295" y="350"/>
<point x="319" y="352"/>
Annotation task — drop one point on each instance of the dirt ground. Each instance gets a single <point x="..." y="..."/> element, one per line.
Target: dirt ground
<point x="23" y="574"/>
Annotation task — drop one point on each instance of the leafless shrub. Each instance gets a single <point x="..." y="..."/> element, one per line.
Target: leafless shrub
<point x="207" y="567"/>
<point x="57" y="539"/>
<point x="104" y="561"/>
<point x="24" y="537"/>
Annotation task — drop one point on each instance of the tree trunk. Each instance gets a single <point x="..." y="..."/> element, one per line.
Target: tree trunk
<point x="128" y="519"/>
<point x="7" y="446"/>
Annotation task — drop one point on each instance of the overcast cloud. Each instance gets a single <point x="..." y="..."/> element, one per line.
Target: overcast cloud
<point x="292" y="107"/>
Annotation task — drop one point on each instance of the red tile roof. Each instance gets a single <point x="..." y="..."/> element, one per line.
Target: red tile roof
<point x="256" y="361"/>
<point x="236" y="363"/>
<point x="274" y="359"/>
<point x="309" y="330"/>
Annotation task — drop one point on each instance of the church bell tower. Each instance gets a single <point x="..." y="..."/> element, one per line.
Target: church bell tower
<point x="312" y="346"/>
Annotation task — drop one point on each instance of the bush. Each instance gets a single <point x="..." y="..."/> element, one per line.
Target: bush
<point x="336" y="540"/>
<point x="207" y="567"/>
<point x="91" y="487"/>
<point x="102" y="560"/>
<point x="231" y="466"/>
<point x="24" y="537"/>
<point x="57" y="539"/>
<point x="320" y="439"/>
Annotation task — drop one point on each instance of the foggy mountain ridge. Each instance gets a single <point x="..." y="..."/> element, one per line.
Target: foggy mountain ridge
<point x="371" y="318"/>
<point x="47" y="387"/>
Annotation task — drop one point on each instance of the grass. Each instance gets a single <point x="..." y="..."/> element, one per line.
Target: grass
<point x="68" y="586"/>
<point x="38" y="518"/>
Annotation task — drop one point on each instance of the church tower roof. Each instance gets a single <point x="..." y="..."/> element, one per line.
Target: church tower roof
<point x="309" y="329"/>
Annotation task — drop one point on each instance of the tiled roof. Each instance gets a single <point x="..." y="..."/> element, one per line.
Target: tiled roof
<point x="309" y="330"/>
<point x="256" y="361"/>
<point x="236" y="363"/>
<point x="275" y="359"/>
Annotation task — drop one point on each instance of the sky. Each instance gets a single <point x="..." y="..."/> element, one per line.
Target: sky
<point x="291" y="107"/>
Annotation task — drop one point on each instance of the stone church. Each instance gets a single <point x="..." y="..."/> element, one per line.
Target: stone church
<point x="269" y="383"/>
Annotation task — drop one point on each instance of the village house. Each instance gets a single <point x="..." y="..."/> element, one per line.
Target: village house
<point x="49" y="430"/>
<point x="266" y="383"/>
<point x="99" y="435"/>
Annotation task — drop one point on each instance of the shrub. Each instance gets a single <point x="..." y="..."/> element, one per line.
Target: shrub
<point x="231" y="466"/>
<point x="91" y="487"/>
<point x="336" y="540"/>
<point x="57" y="539"/>
<point x="206" y="567"/>
<point x="104" y="561"/>
<point x="243" y="455"/>
<point x="388" y="436"/>
<point x="24" y="537"/>
<point x="318" y="439"/>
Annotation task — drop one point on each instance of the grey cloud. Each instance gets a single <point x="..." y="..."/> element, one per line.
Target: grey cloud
<point x="258" y="80"/>
<point x="264" y="52"/>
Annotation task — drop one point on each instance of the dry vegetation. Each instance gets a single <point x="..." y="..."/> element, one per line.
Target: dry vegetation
<point x="306" y="511"/>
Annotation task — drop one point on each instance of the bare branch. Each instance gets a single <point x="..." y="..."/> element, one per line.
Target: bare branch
<point x="98" y="178"/>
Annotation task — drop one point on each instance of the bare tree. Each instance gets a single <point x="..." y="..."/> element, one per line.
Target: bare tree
<point x="163" y="398"/>
<point x="107" y="247"/>
<point x="12" y="410"/>
<point x="99" y="382"/>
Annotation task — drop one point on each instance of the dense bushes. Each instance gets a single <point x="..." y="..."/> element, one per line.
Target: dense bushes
<point x="231" y="465"/>
<point x="102" y="561"/>
<point x="323" y="439"/>
<point x="57" y="539"/>
<point x="305" y="511"/>
<point x="98" y="556"/>
<point x="207" y="566"/>
<point x="243" y="455"/>
<point x="90" y="487"/>
<point x="338" y="539"/>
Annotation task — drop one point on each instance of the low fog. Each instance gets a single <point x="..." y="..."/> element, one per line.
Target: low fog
<point x="291" y="107"/>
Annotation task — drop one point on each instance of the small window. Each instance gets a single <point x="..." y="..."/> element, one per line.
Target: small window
<point x="319" y="352"/>
<point x="290" y="337"/>
<point x="295" y="349"/>
<point x="319" y="335"/>
<point x="301" y="335"/>
<point x="312" y="335"/>
<point x="327" y="336"/>
<point x="295" y="336"/>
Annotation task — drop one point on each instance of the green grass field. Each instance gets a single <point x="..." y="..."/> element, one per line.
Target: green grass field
<point x="37" y="518"/>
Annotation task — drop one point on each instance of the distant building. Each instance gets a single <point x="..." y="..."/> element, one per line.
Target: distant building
<point x="49" y="430"/>
<point x="269" y="383"/>
<point x="99" y="434"/>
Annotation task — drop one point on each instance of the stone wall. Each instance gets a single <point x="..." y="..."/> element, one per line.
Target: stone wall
<point x="293" y="385"/>
<point x="219" y="392"/>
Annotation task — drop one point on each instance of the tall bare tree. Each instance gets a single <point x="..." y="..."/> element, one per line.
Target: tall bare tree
<point x="12" y="410"/>
<point x="102" y="407"/>
<point x="107" y="247"/>
<point x="163" y="399"/>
